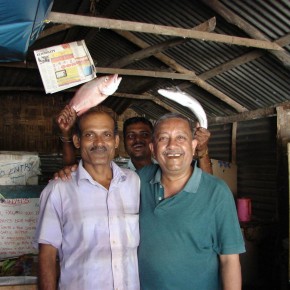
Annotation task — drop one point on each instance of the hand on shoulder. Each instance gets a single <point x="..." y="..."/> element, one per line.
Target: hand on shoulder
<point x="65" y="173"/>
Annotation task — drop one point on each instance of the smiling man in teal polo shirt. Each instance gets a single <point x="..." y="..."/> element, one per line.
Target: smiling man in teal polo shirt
<point x="190" y="237"/>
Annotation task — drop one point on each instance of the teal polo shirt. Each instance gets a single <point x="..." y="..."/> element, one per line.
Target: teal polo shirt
<point x="182" y="236"/>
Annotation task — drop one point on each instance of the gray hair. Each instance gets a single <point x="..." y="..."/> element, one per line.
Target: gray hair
<point x="173" y="116"/>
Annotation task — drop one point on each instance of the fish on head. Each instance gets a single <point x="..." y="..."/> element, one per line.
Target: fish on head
<point x="186" y="100"/>
<point x="94" y="92"/>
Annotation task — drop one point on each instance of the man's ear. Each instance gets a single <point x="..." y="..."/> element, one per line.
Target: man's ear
<point x="151" y="147"/>
<point x="193" y="146"/>
<point x="76" y="141"/>
<point x="117" y="141"/>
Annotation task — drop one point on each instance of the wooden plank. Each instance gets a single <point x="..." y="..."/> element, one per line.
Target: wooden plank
<point x="177" y="67"/>
<point x="234" y="143"/>
<point x="250" y="115"/>
<point x="19" y="287"/>
<point x="283" y="139"/>
<point x="244" y="116"/>
<point x="106" y="23"/>
<point x="147" y="97"/>
<point x="283" y="41"/>
<point x="151" y="50"/>
<point x="54" y="29"/>
<point x="288" y="153"/>
<point x="106" y="70"/>
<point x="146" y="73"/>
<point x="283" y="56"/>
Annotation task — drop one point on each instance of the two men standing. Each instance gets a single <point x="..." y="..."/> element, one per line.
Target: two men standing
<point x="189" y="232"/>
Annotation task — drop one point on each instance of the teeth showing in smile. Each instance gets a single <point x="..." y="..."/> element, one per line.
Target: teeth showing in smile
<point x="173" y="155"/>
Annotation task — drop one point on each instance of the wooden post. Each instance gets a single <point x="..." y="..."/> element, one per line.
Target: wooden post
<point x="283" y="139"/>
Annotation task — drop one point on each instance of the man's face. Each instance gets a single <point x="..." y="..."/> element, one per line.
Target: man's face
<point x="97" y="142"/>
<point x="173" y="146"/>
<point x="137" y="139"/>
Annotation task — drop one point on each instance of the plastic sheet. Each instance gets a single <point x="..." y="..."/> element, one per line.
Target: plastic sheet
<point x="21" y="22"/>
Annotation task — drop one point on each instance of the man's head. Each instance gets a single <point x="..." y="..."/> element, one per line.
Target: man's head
<point x="137" y="132"/>
<point x="97" y="136"/>
<point x="173" y="144"/>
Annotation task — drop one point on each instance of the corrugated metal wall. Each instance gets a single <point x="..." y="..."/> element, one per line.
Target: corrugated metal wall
<point x="256" y="162"/>
<point x="220" y="142"/>
<point x="256" y="159"/>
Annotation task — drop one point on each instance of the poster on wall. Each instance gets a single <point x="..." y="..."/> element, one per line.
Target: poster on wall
<point x="19" y="209"/>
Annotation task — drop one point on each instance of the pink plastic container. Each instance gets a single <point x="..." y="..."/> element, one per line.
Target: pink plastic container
<point x="244" y="207"/>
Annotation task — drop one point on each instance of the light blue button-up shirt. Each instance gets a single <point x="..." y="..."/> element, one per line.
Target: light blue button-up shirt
<point x="95" y="230"/>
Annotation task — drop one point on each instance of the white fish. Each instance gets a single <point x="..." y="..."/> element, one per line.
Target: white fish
<point x="94" y="92"/>
<point x="188" y="101"/>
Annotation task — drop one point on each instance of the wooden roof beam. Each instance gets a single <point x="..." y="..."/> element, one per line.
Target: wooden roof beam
<point x="245" y="58"/>
<point x="250" y="115"/>
<point x="177" y="67"/>
<point x="282" y="55"/>
<point x="283" y="41"/>
<point x="106" y="70"/>
<point x="208" y="25"/>
<point x="107" y="23"/>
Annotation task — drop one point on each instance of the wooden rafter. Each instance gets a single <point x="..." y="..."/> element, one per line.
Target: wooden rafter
<point x="187" y="74"/>
<point x="208" y="25"/>
<point x="106" y="70"/>
<point x="250" y="115"/>
<point x="245" y="58"/>
<point x="177" y="67"/>
<point x="243" y="116"/>
<point x="233" y="18"/>
<point x="54" y="29"/>
<point x="147" y="97"/>
<point x="145" y="73"/>
<point x="106" y="23"/>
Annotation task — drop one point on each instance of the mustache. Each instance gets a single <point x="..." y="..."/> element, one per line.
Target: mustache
<point x="98" y="148"/>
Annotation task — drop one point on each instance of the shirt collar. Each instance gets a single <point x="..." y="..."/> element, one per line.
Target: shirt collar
<point x="131" y="166"/>
<point x="119" y="174"/>
<point x="191" y="185"/>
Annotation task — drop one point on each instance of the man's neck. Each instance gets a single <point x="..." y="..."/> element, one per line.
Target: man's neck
<point x="101" y="174"/>
<point x="173" y="184"/>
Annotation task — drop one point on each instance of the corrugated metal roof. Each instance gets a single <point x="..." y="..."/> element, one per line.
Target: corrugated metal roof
<point x="256" y="84"/>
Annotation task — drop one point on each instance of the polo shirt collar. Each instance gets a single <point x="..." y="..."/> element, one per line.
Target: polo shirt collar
<point x="191" y="185"/>
<point x="131" y="166"/>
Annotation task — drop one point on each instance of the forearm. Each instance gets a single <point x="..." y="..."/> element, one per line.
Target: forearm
<point x="47" y="273"/>
<point x="66" y="121"/>
<point x="68" y="154"/>
<point x="230" y="268"/>
<point x="205" y="164"/>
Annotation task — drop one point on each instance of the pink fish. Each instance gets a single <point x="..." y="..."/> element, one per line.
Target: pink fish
<point x="94" y="92"/>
